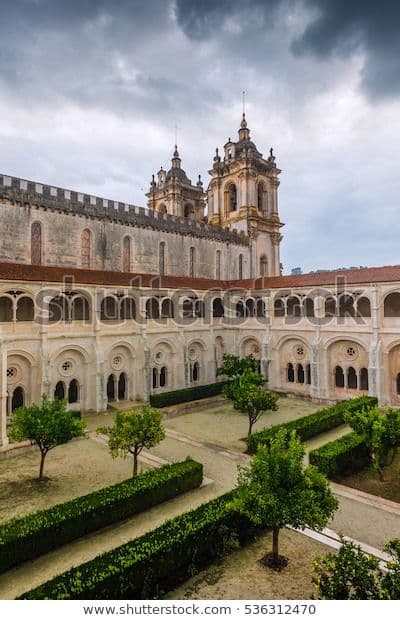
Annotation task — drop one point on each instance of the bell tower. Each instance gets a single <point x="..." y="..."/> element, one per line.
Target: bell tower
<point x="243" y="195"/>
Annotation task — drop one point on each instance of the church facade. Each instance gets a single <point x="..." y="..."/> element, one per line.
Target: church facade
<point x="103" y="302"/>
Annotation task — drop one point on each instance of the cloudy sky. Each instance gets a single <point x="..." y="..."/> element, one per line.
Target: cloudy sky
<point x="91" y="90"/>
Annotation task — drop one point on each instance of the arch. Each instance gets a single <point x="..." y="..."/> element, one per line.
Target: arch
<point x="192" y="262"/>
<point x="294" y="337"/>
<point x="188" y="308"/>
<point x="300" y="373"/>
<point x="263" y="265"/>
<point x="364" y="307"/>
<point x="73" y="392"/>
<point x="188" y="211"/>
<point x="342" y="338"/>
<point x="351" y="378"/>
<point x="218" y="264"/>
<point x="308" y="307"/>
<point x="199" y="308"/>
<point x="152" y="308"/>
<point x="308" y="374"/>
<point x="58" y="309"/>
<point x="391" y="305"/>
<point x="293" y="306"/>
<point x="18" y="398"/>
<point x="250" y="346"/>
<point x="240" y="267"/>
<point x="128" y="309"/>
<point x="86" y="248"/>
<point x="218" y="308"/>
<point x="196" y="372"/>
<point x="109" y="310"/>
<point x="261" y="309"/>
<point x="162" y="208"/>
<point x="279" y="307"/>
<point x="330" y="307"/>
<point x="36" y="243"/>
<point x="82" y="353"/>
<point x="25" y="309"/>
<point x="79" y="308"/>
<point x="155" y="378"/>
<point x="161" y="258"/>
<point x="346" y="305"/>
<point x="240" y="309"/>
<point x="111" y="388"/>
<point x="6" y="310"/>
<point x="290" y="373"/>
<point x="126" y="254"/>
<point x="122" y="386"/>
<point x="231" y="194"/>
<point x="250" y="307"/>
<point x="167" y="308"/>
<point x="59" y="392"/>
<point x="364" y="384"/>
<point x="163" y="376"/>
<point x="339" y="377"/>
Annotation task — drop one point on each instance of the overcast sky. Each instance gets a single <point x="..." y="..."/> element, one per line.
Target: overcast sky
<point x="91" y="90"/>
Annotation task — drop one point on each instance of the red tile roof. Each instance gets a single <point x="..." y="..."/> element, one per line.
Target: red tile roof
<point x="44" y="273"/>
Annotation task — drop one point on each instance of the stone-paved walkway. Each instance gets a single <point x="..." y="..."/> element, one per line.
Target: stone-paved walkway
<point x="367" y="519"/>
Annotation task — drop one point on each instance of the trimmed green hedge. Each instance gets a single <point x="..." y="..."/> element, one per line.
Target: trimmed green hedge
<point x="28" y="537"/>
<point x="346" y="453"/>
<point x="156" y="562"/>
<point x="313" y="424"/>
<point x="167" y="399"/>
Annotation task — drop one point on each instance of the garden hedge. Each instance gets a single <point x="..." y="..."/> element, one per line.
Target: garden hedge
<point x="28" y="537"/>
<point x="167" y="399"/>
<point x="314" y="424"/>
<point x="158" y="561"/>
<point x="347" y="453"/>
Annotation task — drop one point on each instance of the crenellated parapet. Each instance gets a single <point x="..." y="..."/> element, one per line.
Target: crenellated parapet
<point x="26" y="193"/>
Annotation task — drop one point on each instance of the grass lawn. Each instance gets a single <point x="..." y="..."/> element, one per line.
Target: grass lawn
<point x="241" y="576"/>
<point x="367" y="480"/>
<point x="225" y="426"/>
<point x="74" y="469"/>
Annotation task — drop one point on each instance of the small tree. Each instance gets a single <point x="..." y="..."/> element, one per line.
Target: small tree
<point x="233" y="366"/>
<point x="277" y="490"/>
<point x="248" y="396"/>
<point x="351" y="574"/>
<point x="133" y="431"/>
<point x="47" y="425"/>
<point x="380" y="433"/>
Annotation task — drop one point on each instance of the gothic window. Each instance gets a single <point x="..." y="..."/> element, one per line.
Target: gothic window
<point x="122" y="383"/>
<point x="59" y="392"/>
<point x="85" y="249"/>
<point x="152" y="308"/>
<point x="263" y="266"/>
<point x="250" y="307"/>
<point x="36" y="244"/>
<point x="25" y="309"/>
<point x="351" y="378"/>
<point x="73" y="392"/>
<point x="261" y="310"/>
<point x="188" y="211"/>
<point x="126" y="254"/>
<point x="293" y="306"/>
<point x="339" y="377"/>
<point x="364" y="379"/>
<point x="111" y="388"/>
<point x="232" y="198"/>
<point x="300" y="373"/>
<point x="330" y="307"/>
<point x="155" y="378"/>
<point x="392" y="305"/>
<point x="161" y="258"/>
<point x="240" y="275"/>
<point x="195" y="371"/>
<point x="218" y="308"/>
<point x="192" y="259"/>
<point x="346" y="305"/>
<point x="279" y="307"/>
<point x="163" y="376"/>
<point x="290" y="373"/>
<point x="260" y="196"/>
<point x="167" y="309"/>
<point x="308" y="372"/>
<point x="218" y="265"/>
<point x="128" y="309"/>
<point x="18" y="398"/>
<point x="6" y="310"/>
<point x="364" y="307"/>
<point x="109" y="309"/>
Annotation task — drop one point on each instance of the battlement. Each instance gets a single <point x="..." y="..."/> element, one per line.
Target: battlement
<point x="29" y="193"/>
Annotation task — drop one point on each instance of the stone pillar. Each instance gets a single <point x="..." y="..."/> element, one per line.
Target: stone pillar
<point x="265" y="361"/>
<point x="3" y="395"/>
<point x="315" y="391"/>
<point x="375" y="387"/>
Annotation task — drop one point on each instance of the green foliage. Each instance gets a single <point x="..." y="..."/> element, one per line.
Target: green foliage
<point x="348" y="453"/>
<point x="167" y="399"/>
<point x="47" y="425"/>
<point x="278" y="490"/>
<point x="379" y="432"/>
<point x="25" y="538"/>
<point x="314" y="424"/>
<point x="160" y="560"/>
<point x="249" y="397"/>
<point x="351" y="574"/>
<point x="233" y="366"/>
<point x="133" y="431"/>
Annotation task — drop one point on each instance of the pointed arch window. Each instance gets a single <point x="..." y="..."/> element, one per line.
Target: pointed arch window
<point x="36" y="243"/>
<point x="260" y="196"/>
<point x="85" y="248"/>
<point x="126" y="254"/>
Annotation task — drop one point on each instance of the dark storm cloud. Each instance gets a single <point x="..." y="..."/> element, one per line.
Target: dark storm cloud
<point x="340" y="27"/>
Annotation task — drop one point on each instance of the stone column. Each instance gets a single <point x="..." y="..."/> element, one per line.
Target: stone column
<point x="374" y="373"/>
<point x="3" y="395"/>
<point x="315" y="391"/>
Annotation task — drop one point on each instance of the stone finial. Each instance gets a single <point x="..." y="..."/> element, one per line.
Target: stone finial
<point x="199" y="182"/>
<point x="217" y="158"/>
<point x="271" y="157"/>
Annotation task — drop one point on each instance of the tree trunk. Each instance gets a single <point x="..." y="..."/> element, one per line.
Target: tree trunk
<point x="42" y="457"/>
<point x="275" y="544"/>
<point x="250" y="427"/>
<point x="379" y="469"/>
<point x="135" y="463"/>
